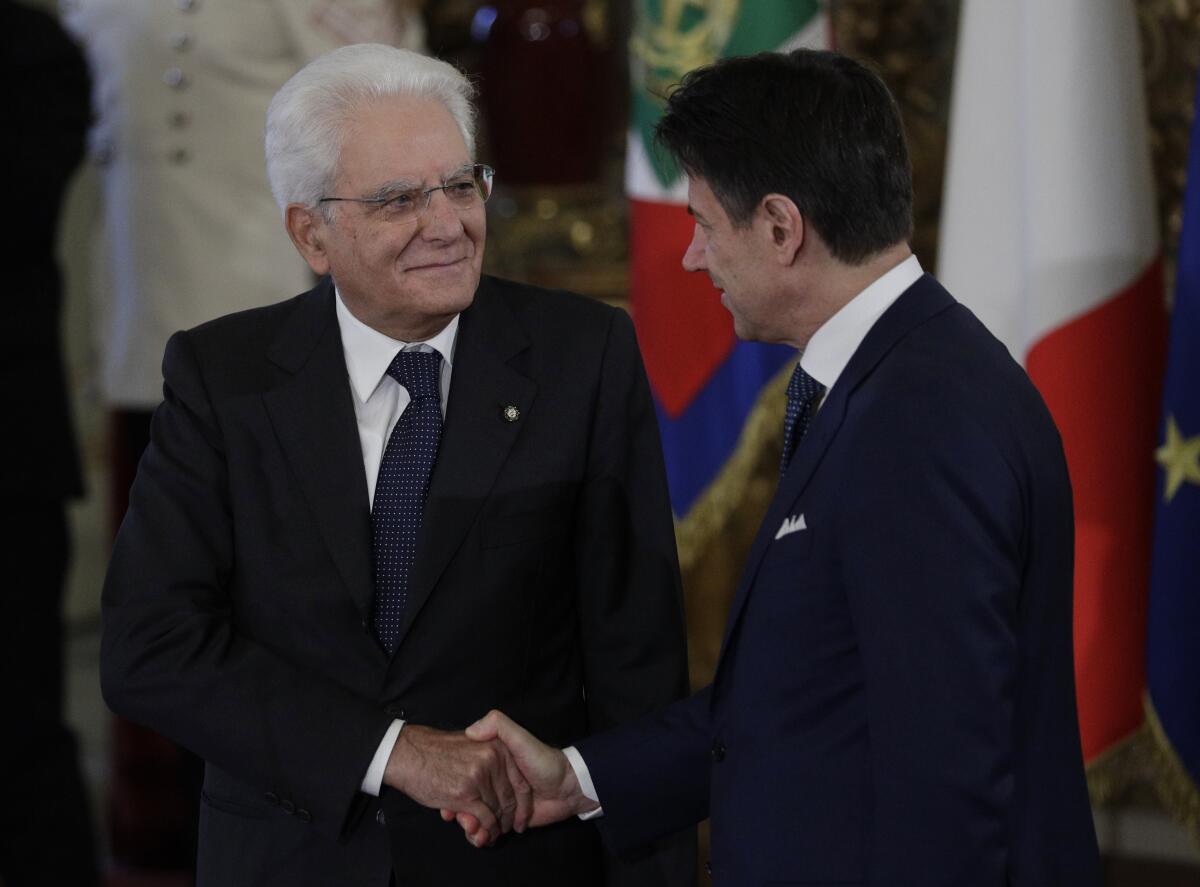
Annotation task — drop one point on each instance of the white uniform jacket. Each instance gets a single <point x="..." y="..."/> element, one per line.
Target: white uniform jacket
<point x="191" y="232"/>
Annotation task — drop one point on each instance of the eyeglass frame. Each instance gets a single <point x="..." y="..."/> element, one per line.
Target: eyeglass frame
<point x="479" y="172"/>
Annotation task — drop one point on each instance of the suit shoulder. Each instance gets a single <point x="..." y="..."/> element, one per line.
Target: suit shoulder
<point x="244" y="329"/>
<point x="949" y="386"/>
<point x="953" y="359"/>
<point x="237" y="353"/>
<point x="560" y="311"/>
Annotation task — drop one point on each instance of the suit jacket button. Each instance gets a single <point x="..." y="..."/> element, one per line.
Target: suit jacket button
<point x="718" y="751"/>
<point x="380" y="818"/>
<point x="303" y="815"/>
<point x="272" y="798"/>
<point x="288" y="807"/>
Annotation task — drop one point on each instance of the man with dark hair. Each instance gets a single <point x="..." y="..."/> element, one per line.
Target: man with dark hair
<point x="894" y="702"/>
<point x="755" y="126"/>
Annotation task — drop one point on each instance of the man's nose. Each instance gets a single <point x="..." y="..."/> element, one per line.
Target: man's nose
<point x="693" y="257"/>
<point x="440" y="218"/>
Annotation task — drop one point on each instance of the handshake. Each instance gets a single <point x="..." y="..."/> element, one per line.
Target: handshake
<point x="493" y="778"/>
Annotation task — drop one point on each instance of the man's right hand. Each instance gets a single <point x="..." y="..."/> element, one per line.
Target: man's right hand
<point x="556" y="792"/>
<point x="449" y="771"/>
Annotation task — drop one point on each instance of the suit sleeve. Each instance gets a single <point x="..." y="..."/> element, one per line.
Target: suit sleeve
<point x="652" y="776"/>
<point x="934" y="514"/>
<point x="629" y="595"/>
<point x="172" y="656"/>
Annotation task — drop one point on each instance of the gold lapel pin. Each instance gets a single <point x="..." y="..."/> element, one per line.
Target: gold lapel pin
<point x="510" y="413"/>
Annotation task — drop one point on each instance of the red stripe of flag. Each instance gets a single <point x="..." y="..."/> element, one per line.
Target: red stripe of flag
<point x="1101" y="376"/>
<point x="684" y="332"/>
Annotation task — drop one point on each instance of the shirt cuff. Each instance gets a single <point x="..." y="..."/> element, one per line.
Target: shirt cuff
<point x="372" y="783"/>
<point x="575" y="759"/>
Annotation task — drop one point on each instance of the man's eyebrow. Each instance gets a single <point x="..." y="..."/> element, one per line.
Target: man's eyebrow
<point x="392" y="188"/>
<point x="399" y="186"/>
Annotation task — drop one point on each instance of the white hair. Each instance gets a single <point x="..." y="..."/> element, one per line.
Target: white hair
<point x="306" y="119"/>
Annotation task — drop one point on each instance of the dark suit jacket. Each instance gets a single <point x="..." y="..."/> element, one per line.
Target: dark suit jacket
<point x="894" y="703"/>
<point x="237" y="604"/>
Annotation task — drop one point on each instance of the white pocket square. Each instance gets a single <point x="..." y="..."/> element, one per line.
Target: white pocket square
<point x="791" y="525"/>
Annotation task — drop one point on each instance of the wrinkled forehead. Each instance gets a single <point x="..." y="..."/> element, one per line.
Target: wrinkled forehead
<point x="400" y="138"/>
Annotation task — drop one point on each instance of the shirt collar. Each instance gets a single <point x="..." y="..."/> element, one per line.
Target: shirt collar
<point x="832" y="346"/>
<point x="369" y="352"/>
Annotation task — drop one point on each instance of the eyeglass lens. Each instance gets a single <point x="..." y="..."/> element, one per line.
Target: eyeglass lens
<point x="463" y="192"/>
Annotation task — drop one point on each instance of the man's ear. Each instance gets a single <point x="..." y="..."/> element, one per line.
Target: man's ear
<point x="785" y="225"/>
<point x="306" y="226"/>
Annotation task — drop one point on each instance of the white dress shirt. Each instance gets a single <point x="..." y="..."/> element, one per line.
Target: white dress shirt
<point x="825" y="357"/>
<point x="834" y="343"/>
<point x="379" y="401"/>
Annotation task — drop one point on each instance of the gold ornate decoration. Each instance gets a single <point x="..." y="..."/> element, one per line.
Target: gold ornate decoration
<point x="1120" y="766"/>
<point x="717" y="531"/>
<point x="911" y="44"/>
<point x="564" y="237"/>
<point x="1176" y="789"/>
<point x="1170" y="32"/>
<point x="686" y="35"/>
<point x="723" y="496"/>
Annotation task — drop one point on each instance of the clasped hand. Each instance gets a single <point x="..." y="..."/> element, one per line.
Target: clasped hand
<point x="494" y="778"/>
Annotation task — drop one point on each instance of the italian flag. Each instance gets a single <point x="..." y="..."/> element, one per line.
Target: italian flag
<point x="703" y="381"/>
<point x="1049" y="235"/>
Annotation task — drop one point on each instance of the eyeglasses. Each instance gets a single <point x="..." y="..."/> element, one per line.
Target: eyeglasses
<point x="465" y="189"/>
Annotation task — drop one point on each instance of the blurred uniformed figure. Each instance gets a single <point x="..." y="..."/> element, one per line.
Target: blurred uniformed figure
<point x="181" y="92"/>
<point x="190" y="233"/>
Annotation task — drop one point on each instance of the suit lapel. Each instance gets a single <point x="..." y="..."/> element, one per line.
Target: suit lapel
<point x="807" y="457"/>
<point x="313" y="416"/>
<point x="476" y="438"/>
<point x="918" y="303"/>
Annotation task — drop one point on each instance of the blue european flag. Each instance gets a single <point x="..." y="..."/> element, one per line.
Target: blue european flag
<point x="1173" y="641"/>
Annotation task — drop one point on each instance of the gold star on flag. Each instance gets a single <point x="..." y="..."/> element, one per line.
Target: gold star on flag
<point x="1180" y="458"/>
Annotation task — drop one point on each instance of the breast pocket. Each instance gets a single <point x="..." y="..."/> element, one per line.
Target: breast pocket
<point x="796" y="545"/>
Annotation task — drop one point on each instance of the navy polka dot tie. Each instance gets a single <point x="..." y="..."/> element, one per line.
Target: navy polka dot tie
<point x="802" y="392"/>
<point x="401" y="487"/>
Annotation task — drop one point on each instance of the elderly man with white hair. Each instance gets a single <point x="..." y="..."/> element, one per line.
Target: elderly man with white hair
<point x="372" y="512"/>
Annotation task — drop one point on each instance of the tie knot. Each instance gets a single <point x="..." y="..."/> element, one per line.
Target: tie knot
<point x="803" y="388"/>
<point x="419" y="372"/>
